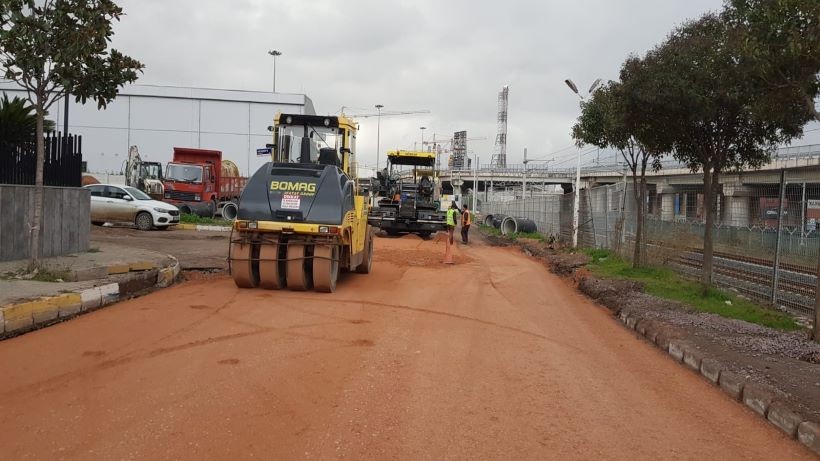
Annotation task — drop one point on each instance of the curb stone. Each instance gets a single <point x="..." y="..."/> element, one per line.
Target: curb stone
<point x="808" y="434"/>
<point x="758" y="398"/>
<point x="676" y="350"/>
<point x="710" y="369"/>
<point x="761" y="399"/>
<point x="783" y="418"/>
<point x="204" y="227"/>
<point x="25" y="316"/>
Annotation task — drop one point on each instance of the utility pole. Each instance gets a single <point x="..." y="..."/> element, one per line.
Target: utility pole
<point x="379" y="107"/>
<point x="422" y="128"/>
<point x="524" y="179"/>
<point x="475" y="183"/>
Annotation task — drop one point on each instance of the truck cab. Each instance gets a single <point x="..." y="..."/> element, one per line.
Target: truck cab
<point x="192" y="179"/>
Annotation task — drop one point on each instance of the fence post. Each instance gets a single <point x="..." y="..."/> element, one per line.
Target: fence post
<point x="776" y="265"/>
<point x="606" y="216"/>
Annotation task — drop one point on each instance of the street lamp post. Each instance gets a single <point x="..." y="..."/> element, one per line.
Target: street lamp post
<point x="577" y="202"/>
<point x="275" y="54"/>
<point x="524" y="179"/>
<point x="422" y="128"/>
<point x="379" y="107"/>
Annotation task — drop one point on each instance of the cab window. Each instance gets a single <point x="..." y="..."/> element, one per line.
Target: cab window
<point x="96" y="191"/>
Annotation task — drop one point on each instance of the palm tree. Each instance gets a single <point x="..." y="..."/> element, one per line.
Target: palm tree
<point x="18" y="122"/>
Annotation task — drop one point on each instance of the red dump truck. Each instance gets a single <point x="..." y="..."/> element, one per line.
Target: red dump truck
<point x="198" y="181"/>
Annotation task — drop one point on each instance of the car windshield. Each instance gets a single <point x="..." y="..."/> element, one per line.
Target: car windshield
<point x="184" y="173"/>
<point x="137" y="194"/>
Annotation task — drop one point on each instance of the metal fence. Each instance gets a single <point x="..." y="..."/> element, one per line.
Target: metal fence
<point x="766" y="236"/>
<point x="62" y="165"/>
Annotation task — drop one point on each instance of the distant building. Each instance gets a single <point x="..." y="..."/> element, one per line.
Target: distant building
<point x="159" y="118"/>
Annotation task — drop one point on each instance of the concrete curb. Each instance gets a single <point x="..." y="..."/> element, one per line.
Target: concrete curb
<point x="760" y="399"/>
<point x="203" y="227"/>
<point x="19" y="318"/>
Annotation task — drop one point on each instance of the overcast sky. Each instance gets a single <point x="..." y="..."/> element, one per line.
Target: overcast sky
<point x="450" y="57"/>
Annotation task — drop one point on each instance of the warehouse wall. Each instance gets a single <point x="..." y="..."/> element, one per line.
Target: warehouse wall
<point x="157" y="119"/>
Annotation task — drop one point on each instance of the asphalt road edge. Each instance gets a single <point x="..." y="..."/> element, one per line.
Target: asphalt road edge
<point x="131" y="279"/>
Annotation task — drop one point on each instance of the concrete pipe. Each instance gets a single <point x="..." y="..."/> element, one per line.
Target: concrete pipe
<point x="488" y="220"/>
<point x="517" y="225"/>
<point x="229" y="211"/>
<point x="184" y="209"/>
<point x="498" y="219"/>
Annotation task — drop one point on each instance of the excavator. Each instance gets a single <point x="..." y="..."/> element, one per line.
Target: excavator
<point x="302" y="217"/>
<point x="145" y="176"/>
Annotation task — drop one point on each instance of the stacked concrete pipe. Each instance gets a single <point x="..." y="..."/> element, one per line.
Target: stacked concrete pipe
<point x="512" y="225"/>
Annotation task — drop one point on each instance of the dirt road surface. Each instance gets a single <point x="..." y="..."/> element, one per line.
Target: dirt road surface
<point x="493" y="358"/>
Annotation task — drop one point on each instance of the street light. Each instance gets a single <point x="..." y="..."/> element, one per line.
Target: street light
<point x="379" y="107"/>
<point x="577" y="204"/>
<point x="422" y="128"/>
<point x="274" y="53"/>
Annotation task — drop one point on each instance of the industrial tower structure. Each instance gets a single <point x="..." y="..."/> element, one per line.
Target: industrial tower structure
<point x="499" y="159"/>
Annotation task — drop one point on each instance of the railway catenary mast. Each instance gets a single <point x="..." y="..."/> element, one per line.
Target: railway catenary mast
<point x="499" y="159"/>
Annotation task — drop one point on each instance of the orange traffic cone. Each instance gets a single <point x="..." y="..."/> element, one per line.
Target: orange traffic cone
<point x="448" y="251"/>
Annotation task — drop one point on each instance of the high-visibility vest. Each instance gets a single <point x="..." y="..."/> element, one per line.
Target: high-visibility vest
<point x="466" y="218"/>
<point x="451" y="217"/>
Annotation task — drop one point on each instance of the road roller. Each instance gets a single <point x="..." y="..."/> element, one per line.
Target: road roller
<point x="302" y="218"/>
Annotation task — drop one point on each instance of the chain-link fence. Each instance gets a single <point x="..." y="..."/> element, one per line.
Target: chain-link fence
<point x="765" y="238"/>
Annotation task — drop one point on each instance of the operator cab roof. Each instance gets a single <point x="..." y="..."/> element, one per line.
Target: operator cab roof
<point x="414" y="158"/>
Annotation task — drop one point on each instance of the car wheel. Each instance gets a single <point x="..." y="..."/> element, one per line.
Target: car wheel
<point x="98" y="223"/>
<point x="144" y="221"/>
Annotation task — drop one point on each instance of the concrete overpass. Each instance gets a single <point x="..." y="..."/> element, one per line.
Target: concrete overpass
<point x="674" y="191"/>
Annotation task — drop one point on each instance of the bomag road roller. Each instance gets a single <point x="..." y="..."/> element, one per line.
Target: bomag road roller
<point x="301" y="217"/>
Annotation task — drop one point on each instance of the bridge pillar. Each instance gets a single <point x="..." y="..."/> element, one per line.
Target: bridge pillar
<point x="737" y="207"/>
<point x="667" y="206"/>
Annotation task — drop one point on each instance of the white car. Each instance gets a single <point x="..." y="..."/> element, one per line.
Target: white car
<point x="123" y="204"/>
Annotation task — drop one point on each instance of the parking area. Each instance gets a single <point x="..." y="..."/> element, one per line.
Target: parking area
<point x="195" y="250"/>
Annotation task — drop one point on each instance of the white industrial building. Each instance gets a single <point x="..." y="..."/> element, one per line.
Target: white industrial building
<point x="159" y="118"/>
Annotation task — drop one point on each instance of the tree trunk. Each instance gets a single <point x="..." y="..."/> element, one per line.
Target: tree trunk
<point x="642" y="216"/>
<point x="37" y="212"/>
<point x="710" y="187"/>
<point x="636" y="192"/>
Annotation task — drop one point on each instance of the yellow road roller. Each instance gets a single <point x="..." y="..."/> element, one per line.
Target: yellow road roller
<point x="302" y="218"/>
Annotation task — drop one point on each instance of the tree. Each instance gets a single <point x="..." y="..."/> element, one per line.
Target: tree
<point x="17" y="122"/>
<point x="53" y="48"/>
<point x="706" y="108"/>
<point x="779" y="43"/>
<point x="605" y="122"/>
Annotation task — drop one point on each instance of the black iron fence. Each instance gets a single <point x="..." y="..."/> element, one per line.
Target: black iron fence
<point x="62" y="167"/>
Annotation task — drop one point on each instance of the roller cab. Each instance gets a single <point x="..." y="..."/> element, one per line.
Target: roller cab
<point x="301" y="218"/>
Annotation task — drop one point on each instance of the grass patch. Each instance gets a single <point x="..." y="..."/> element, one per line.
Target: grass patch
<point x="94" y="250"/>
<point x="489" y="230"/>
<point x="668" y="284"/>
<point x="526" y="235"/>
<point x="42" y="274"/>
<point x="196" y="219"/>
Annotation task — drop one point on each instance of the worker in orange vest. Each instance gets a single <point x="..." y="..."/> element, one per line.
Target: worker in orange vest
<point x="466" y="220"/>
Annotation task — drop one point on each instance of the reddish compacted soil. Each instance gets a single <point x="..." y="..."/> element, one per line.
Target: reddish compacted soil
<point x="492" y="358"/>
